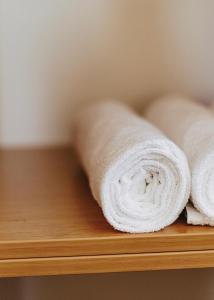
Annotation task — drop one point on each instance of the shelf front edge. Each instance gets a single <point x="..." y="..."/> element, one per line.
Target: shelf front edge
<point x="126" y="244"/>
<point x="106" y="263"/>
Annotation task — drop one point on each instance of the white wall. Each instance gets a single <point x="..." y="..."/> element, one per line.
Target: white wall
<point x="56" y="54"/>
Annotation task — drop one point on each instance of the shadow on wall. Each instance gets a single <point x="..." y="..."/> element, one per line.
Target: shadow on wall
<point x="167" y="285"/>
<point x="58" y="54"/>
<point x="114" y="52"/>
<point x="135" y="50"/>
<point x="11" y="289"/>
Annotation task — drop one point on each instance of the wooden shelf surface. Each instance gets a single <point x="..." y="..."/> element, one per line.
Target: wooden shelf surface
<point x="50" y="224"/>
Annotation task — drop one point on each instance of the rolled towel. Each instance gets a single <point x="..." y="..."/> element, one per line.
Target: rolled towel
<point x="191" y="126"/>
<point x="139" y="177"/>
<point x="194" y="217"/>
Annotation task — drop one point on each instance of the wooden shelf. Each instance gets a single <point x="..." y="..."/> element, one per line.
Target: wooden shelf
<point x="49" y="224"/>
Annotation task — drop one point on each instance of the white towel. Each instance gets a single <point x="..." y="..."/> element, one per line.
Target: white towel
<point x="194" y="217"/>
<point x="191" y="126"/>
<point x="139" y="178"/>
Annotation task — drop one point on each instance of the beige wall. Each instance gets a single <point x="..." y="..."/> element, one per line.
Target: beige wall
<point x="56" y="54"/>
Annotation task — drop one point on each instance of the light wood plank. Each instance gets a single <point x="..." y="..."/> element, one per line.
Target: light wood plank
<point x="106" y="263"/>
<point x="46" y="210"/>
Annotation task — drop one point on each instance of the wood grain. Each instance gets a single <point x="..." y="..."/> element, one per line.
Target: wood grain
<point x="47" y="211"/>
<point x="106" y="263"/>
